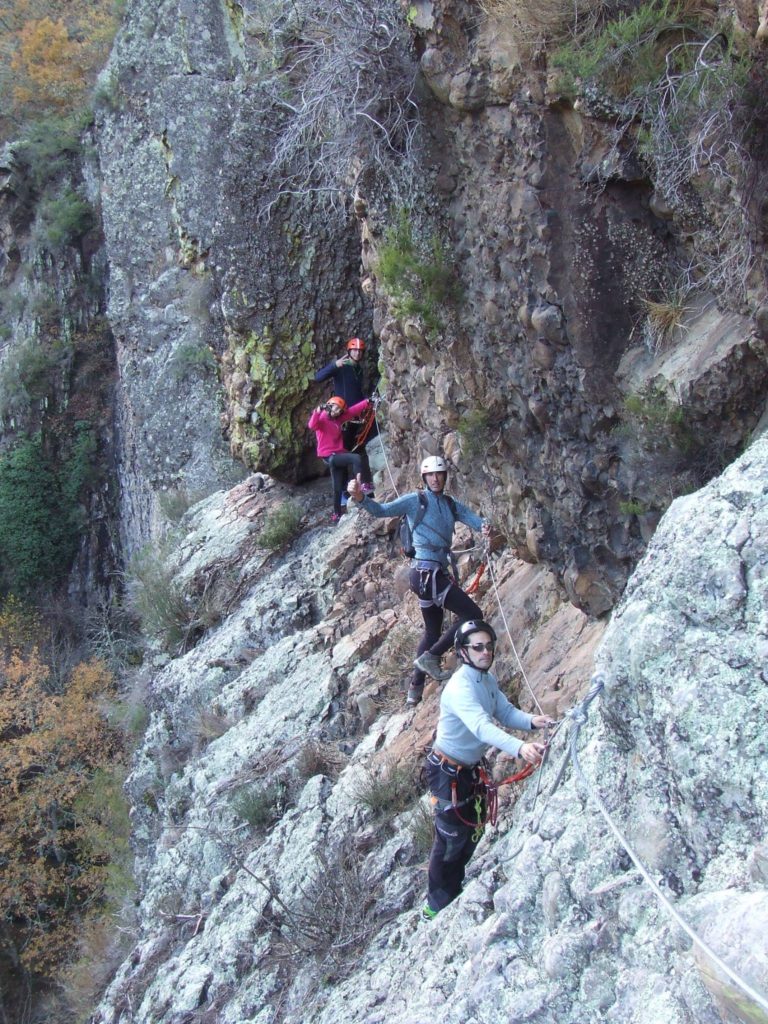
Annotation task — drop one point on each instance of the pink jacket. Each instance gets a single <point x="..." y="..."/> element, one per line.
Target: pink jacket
<point x="329" y="439"/>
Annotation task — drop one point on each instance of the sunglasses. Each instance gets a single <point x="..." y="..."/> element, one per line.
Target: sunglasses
<point x="482" y="647"/>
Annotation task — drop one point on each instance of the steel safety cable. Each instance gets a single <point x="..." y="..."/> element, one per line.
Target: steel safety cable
<point x="383" y="446"/>
<point x="578" y="716"/>
<point x="509" y="634"/>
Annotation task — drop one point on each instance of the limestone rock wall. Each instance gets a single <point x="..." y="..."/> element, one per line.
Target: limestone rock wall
<point x="557" y="238"/>
<point x="221" y="314"/>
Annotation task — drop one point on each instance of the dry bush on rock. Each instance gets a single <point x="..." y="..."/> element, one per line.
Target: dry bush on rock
<point x="332" y="922"/>
<point x="387" y="788"/>
<point x="349" y="108"/>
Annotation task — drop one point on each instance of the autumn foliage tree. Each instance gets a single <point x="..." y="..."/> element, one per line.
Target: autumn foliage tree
<point x="50" y="53"/>
<point x="55" y="864"/>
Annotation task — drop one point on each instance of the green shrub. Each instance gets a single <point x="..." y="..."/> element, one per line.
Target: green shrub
<point x="38" y="531"/>
<point x="48" y="147"/>
<point x="105" y="830"/>
<point x="79" y="467"/>
<point x="261" y="806"/>
<point x="422" y="828"/>
<point x="106" y="93"/>
<point x="175" y="503"/>
<point x="657" y="422"/>
<point x="281" y="527"/>
<point x="421" y="282"/>
<point x="632" y="508"/>
<point x="476" y="433"/>
<point x="159" y="600"/>
<point x="630" y="52"/>
<point x="388" y="789"/>
<point x="191" y="360"/>
<point x="29" y="374"/>
<point x="66" y="219"/>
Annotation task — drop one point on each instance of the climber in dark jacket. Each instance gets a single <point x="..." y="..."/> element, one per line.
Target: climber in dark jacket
<point x="346" y="372"/>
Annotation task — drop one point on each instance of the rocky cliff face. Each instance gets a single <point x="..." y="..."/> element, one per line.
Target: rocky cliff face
<point x="543" y="384"/>
<point x="57" y="371"/>
<point x="221" y="310"/>
<point x="532" y="362"/>
<point x="280" y="883"/>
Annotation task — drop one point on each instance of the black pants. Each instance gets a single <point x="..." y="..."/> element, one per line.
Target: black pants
<point x="341" y="463"/>
<point x="455" y="840"/>
<point x="349" y="433"/>
<point x="456" y="601"/>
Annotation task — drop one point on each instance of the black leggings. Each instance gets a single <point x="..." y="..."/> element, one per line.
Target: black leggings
<point x="456" y="601"/>
<point x="454" y="840"/>
<point x="341" y="463"/>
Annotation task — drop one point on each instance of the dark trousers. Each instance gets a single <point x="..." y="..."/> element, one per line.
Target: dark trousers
<point x="341" y="463"/>
<point x="350" y="431"/>
<point x="456" y="601"/>
<point x="455" y="840"/>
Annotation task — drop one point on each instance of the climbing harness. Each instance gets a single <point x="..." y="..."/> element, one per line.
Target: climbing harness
<point x="485" y="794"/>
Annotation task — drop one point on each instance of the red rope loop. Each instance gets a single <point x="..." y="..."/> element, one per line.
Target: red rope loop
<point x="365" y="429"/>
<point x="476" y="581"/>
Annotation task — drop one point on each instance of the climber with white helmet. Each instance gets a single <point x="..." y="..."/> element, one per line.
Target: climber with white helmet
<point x="326" y="421"/>
<point x="470" y="706"/>
<point x="431" y="515"/>
<point x="348" y="376"/>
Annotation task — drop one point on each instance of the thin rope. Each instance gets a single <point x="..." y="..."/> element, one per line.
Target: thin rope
<point x="578" y="716"/>
<point x="509" y="634"/>
<point x="384" y="451"/>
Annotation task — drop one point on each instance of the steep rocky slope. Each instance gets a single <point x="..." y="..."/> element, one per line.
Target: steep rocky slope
<point x="312" y="915"/>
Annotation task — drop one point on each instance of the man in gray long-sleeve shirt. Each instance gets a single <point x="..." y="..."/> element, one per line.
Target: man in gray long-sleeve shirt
<point x="470" y="706"/>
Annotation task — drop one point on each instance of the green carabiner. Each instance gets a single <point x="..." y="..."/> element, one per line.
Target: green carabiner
<point x="478" y="833"/>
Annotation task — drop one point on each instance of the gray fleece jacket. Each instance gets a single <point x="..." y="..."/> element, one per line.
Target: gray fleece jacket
<point x="469" y="704"/>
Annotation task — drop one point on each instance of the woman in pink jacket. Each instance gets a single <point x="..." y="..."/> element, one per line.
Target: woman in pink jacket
<point x="326" y="421"/>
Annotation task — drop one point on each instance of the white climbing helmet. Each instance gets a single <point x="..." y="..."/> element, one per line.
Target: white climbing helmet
<point x="433" y="464"/>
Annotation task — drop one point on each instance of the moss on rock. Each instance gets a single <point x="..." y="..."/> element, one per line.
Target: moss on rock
<point x="280" y="365"/>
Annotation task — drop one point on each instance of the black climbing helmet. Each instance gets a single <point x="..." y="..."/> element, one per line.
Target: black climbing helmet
<point x="466" y="629"/>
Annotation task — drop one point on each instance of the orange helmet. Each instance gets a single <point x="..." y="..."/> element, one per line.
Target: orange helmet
<point x="355" y="343"/>
<point x="337" y="400"/>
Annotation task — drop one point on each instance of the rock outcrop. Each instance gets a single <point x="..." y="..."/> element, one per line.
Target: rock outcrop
<point x="222" y="309"/>
<point x="559" y="240"/>
<point x="310" y="915"/>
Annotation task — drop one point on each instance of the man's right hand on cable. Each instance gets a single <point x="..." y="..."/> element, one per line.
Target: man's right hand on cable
<point x="532" y="752"/>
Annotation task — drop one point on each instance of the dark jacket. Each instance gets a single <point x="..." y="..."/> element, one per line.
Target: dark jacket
<point x="347" y="381"/>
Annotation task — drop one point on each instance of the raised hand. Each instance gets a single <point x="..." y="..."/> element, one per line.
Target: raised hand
<point x="355" y="488"/>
